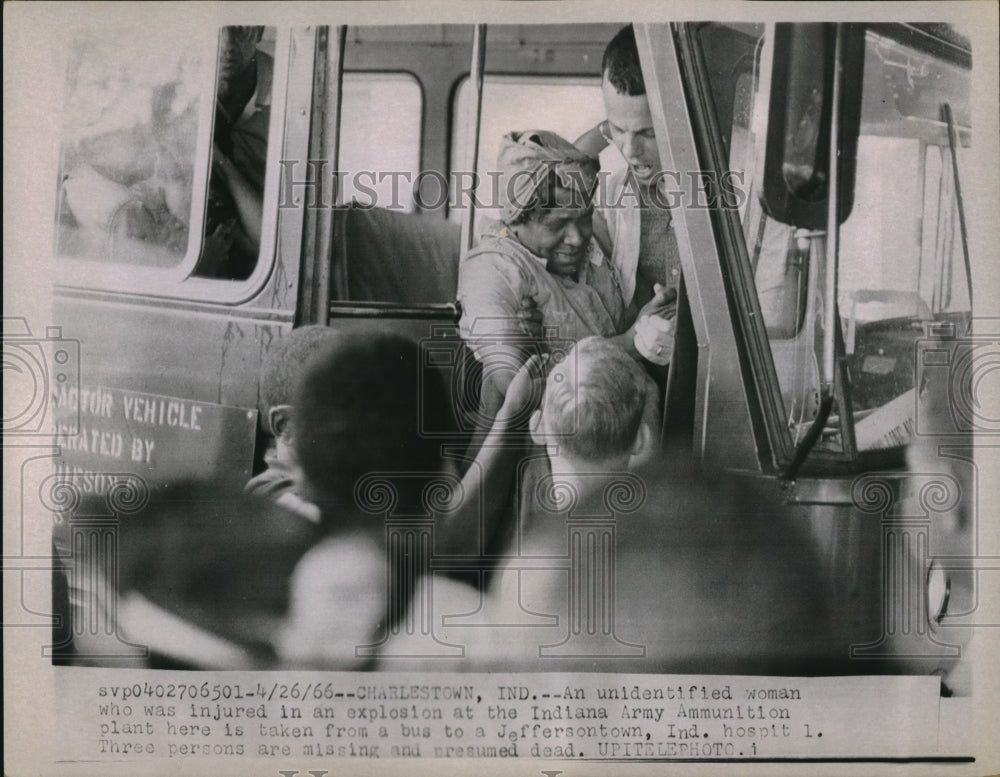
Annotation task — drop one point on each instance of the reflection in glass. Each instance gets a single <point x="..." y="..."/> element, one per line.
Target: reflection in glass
<point x="900" y="258"/>
<point x="128" y="144"/>
<point x="806" y="148"/>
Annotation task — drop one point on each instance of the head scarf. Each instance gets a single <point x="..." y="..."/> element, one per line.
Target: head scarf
<point x="525" y="160"/>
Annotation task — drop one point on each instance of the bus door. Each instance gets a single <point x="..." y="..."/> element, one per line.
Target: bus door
<point x="829" y="285"/>
<point x="422" y="111"/>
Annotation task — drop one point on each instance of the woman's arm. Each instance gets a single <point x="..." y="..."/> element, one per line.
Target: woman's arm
<point x="487" y="484"/>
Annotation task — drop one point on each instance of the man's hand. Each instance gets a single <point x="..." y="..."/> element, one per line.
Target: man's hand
<point x="594" y="140"/>
<point x="524" y="393"/>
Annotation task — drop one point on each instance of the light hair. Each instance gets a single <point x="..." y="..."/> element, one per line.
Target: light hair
<point x="594" y="401"/>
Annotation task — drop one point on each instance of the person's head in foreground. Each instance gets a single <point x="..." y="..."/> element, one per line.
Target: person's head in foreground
<point x="547" y="188"/>
<point x="279" y="379"/>
<point x="592" y="410"/>
<point x="630" y="124"/>
<point x="359" y="411"/>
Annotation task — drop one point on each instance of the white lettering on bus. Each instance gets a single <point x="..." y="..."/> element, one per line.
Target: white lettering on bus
<point x="163" y="412"/>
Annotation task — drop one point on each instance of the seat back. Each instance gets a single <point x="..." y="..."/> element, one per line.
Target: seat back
<point x="396" y="257"/>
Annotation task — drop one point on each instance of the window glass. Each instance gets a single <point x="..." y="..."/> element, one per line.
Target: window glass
<point x="901" y="264"/>
<point x="380" y="139"/>
<point x="567" y="106"/>
<point x="901" y="260"/>
<point x="139" y="114"/>
<point x="130" y="125"/>
<point x="389" y="252"/>
<point x="234" y="208"/>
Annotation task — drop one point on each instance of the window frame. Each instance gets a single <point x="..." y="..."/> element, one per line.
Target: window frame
<point x="756" y="354"/>
<point x="374" y="75"/>
<point x="458" y="126"/>
<point x="292" y="86"/>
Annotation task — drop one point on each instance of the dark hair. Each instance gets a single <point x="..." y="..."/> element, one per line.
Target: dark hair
<point x="279" y="374"/>
<point x="361" y="406"/>
<point x="621" y="63"/>
<point x="212" y="555"/>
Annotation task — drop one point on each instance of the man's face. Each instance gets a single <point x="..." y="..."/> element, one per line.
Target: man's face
<point x="237" y="48"/>
<point x="630" y="126"/>
<point x="559" y="235"/>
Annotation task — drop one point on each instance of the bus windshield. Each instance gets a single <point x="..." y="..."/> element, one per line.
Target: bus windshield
<point x="901" y="264"/>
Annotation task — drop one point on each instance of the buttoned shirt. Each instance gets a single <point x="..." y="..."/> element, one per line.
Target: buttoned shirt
<point x="642" y="236"/>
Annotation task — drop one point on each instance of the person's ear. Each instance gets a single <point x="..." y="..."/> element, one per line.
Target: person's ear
<point x="279" y="418"/>
<point x="643" y="441"/>
<point x="535" y="426"/>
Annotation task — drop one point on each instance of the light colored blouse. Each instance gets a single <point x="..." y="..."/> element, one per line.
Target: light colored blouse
<point x="500" y="279"/>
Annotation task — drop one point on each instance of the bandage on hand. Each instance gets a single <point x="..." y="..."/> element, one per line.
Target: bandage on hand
<point x="654" y="338"/>
<point x="663" y="303"/>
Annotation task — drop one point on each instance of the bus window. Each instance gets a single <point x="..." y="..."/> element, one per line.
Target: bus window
<point x="380" y="139"/>
<point x="901" y="260"/>
<point x="391" y="247"/>
<point x="164" y="152"/>
<point x="942" y="276"/>
<point x="131" y="120"/>
<point x="231" y="239"/>
<point x="901" y="263"/>
<point x="568" y="106"/>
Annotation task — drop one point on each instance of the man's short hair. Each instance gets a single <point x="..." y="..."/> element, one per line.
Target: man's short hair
<point x="594" y="401"/>
<point x="283" y="364"/>
<point x="621" y="63"/>
<point x="360" y="408"/>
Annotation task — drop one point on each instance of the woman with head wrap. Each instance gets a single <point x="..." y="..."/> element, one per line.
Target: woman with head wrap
<point x="540" y="257"/>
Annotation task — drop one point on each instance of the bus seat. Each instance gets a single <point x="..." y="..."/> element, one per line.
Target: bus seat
<point x="397" y="257"/>
<point x="388" y="256"/>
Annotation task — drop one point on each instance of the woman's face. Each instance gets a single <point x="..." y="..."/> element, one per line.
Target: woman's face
<point x="560" y="234"/>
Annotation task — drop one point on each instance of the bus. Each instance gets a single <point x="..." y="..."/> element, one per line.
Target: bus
<point x="824" y="346"/>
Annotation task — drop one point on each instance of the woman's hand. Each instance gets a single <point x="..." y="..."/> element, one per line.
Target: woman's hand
<point x="530" y="316"/>
<point x="653" y="334"/>
<point x="654" y="339"/>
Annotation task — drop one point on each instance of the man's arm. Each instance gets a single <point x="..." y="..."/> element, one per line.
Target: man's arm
<point x="249" y="203"/>
<point x="593" y="141"/>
